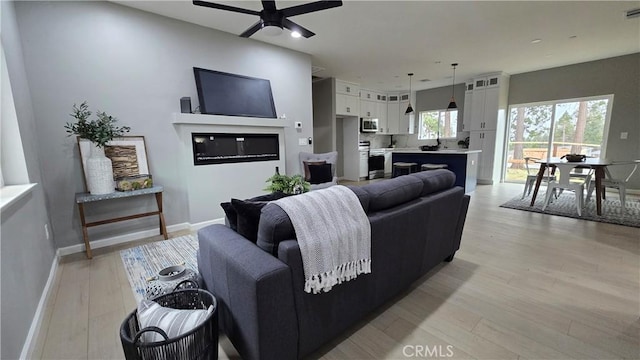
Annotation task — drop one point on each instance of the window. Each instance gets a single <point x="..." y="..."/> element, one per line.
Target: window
<point x="556" y="128"/>
<point x="437" y="124"/>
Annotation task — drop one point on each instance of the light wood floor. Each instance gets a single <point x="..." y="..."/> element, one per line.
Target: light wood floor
<point x="523" y="286"/>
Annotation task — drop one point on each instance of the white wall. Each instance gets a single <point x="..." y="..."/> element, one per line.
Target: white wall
<point x="136" y="66"/>
<point x="27" y="254"/>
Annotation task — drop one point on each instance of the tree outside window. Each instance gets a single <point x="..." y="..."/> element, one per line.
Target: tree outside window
<point x="436" y="124"/>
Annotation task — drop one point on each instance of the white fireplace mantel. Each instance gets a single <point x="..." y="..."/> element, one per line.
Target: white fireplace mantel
<point x="207" y="186"/>
<point x="202" y="119"/>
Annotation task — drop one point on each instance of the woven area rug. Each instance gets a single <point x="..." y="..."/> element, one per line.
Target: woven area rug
<point x="146" y="260"/>
<point x="565" y="205"/>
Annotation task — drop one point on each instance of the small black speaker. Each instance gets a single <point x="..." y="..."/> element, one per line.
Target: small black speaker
<point x="185" y="105"/>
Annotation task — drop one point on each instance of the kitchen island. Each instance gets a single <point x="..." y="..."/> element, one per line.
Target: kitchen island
<point x="463" y="162"/>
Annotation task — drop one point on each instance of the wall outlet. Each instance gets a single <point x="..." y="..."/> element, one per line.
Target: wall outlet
<point x="624" y="135"/>
<point x="302" y="141"/>
<point x="46" y="231"/>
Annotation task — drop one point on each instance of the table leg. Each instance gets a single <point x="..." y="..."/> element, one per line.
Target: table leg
<point x="163" y="226"/>
<point x="85" y="232"/>
<point x="541" y="171"/>
<point x="599" y="176"/>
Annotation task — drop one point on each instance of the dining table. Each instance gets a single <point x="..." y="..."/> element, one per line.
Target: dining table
<point x="597" y="164"/>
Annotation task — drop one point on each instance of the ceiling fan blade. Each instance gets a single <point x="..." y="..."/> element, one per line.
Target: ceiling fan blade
<point x="310" y="7"/>
<point x="269" y="5"/>
<point x="252" y="30"/>
<point x="225" y="7"/>
<point x="295" y="27"/>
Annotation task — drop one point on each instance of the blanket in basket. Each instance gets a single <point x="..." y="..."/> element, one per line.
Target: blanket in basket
<point x="333" y="233"/>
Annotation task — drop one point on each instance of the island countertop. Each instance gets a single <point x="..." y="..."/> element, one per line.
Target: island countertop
<point x="438" y="152"/>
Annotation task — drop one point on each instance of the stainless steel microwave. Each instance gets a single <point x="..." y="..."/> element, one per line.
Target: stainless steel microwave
<point x="368" y="125"/>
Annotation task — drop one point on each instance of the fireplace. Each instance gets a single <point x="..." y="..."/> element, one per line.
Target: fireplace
<point x="222" y="148"/>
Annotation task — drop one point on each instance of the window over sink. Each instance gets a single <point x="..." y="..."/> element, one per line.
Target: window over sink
<point x="435" y="124"/>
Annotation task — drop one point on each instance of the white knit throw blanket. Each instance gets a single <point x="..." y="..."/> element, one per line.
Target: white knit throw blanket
<point x="333" y="233"/>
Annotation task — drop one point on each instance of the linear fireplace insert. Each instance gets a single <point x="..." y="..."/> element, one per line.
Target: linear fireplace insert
<point x="222" y="148"/>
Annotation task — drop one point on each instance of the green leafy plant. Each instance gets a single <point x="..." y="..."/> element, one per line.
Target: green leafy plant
<point x="99" y="131"/>
<point x="287" y="184"/>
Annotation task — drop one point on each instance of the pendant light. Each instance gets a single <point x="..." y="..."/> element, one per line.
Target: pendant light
<point x="452" y="102"/>
<point x="409" y="108"/>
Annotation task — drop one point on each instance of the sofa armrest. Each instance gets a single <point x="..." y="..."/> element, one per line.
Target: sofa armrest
<point x="254" y="293"/>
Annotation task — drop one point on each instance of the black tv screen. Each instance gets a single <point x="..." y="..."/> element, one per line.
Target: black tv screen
<point x="222" y="93"/>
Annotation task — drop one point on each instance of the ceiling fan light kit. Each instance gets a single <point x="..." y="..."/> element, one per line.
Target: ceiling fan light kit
<point x="452" y="102"/>
<point x="273" y="20"/>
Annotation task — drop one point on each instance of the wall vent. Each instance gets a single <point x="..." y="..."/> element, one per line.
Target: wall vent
<point x="316" y="69"/>
<point x="633" y="13"/>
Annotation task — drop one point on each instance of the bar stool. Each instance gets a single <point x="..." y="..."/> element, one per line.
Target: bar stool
<point x="400" y="167"/>
<point x="426" y="167"/>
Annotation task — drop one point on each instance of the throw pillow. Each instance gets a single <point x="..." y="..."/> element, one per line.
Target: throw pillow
<point x="174" y="322"/>
<point x="307" y="174"/>
<point x="320" y="173"/>
<point x="230" y="213"/>
<point x="248" y="217"/>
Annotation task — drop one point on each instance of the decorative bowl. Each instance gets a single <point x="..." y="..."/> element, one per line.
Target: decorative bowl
<point x="574" y="157"/>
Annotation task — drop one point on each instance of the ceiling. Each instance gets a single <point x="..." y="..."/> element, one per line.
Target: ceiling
<point x="377" y="43"/>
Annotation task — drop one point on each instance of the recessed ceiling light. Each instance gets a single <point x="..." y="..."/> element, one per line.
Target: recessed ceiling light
<point x="295" y="34"/>
<point x="425" y="80"/>
<point x="573" y="36"/>
<point x="536" y="41"/>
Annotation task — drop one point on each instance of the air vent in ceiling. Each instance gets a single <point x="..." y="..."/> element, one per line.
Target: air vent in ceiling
<point x="633" y="13"/>
<point x="425" y="80"/>
<point x="316" y="69"/>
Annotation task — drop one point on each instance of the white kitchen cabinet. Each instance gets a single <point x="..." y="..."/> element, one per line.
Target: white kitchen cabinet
<point x="488" y="124"/>
<point x="347" y="105"/>
<point x="393" y="113"/>
<point x="404" y="126"/>
<point x="388" y="165"/>
<point x="364" y="164"/>
<point x="368" y="95"/>
<point x="382" y="116"/>
<point x="485" y="141"/>
<point x="347" y="88"/>
<point x="468" y="98"/>
<point x="368" y="109"/>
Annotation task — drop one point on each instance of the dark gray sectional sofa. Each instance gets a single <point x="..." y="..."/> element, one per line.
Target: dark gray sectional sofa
<point x="416" y="223"/>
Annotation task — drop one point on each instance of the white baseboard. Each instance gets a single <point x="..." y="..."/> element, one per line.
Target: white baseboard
<point x="120" y="239"/>
<point x="32" y="336"/>
<point x="200" y="225"/>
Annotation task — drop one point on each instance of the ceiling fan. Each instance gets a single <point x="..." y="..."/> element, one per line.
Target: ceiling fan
<point x="274" y="19"/>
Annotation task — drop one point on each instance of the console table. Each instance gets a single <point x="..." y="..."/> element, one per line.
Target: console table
<point x="83" y="198"/>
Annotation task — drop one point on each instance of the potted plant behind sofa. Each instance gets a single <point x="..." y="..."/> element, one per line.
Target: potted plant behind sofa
<point x="291" y="185"/>
<point x="99" y="173"/>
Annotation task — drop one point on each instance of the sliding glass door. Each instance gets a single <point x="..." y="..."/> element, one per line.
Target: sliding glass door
<point x="553" y="129"/>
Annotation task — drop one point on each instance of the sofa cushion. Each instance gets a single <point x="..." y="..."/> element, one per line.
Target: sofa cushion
<point x="362" y="195"/>
<point x="274" y="226"/>
<point x="248" y="217"/>
<point x="388" y="193"/>
<point x="435" y="180"/>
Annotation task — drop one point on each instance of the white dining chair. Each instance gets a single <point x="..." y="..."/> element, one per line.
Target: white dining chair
<point x="566" y="182"/>
<point x="610" y="182"/>
<point x="532" y="176"/>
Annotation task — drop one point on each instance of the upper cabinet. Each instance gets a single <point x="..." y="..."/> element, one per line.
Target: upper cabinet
<point x="347" y="98"/>
<point x="468" y="99"/>
<point x="487" y="97"/>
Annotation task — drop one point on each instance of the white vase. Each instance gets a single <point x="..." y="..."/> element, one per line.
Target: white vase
<point x="99" y="172"/>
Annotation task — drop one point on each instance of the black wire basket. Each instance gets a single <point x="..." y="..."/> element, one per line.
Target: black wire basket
<point x="199" y="343"/>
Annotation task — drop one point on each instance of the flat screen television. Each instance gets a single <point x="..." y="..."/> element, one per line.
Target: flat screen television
<point x="222" y="93"/>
